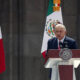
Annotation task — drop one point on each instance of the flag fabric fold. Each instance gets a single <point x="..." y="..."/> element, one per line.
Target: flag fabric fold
<point x="2" y="56"/>
<point x="54" y="16"/>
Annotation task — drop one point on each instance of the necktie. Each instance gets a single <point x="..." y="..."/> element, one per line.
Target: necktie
<point x="60" y="45"/>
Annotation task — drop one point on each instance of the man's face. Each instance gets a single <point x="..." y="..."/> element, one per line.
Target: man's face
<point x="60" y="32"/>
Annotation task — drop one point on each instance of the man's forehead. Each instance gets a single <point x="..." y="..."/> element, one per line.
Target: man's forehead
<point x="59" y="28"/>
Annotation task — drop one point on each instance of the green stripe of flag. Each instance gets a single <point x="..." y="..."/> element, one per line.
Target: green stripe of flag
<point x="50" y="7"/>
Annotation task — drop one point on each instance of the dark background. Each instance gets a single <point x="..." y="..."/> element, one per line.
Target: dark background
<point x="22" y="23"/>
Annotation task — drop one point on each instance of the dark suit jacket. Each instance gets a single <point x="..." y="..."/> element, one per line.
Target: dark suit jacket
<point x="53" y="43"/>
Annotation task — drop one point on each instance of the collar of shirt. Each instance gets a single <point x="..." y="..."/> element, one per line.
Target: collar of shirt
<point x="61" y="40"/>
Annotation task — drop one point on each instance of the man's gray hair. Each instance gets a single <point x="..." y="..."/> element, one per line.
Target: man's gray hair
<point x="60" y="25"/>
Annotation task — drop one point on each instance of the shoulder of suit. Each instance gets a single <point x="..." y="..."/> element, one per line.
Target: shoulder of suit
<point x="52" y="39"/>
<point x="70" y="39"/>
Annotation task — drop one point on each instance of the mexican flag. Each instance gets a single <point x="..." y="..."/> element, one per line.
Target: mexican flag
<point x="54" y="16"/>
<point x="2" y="56"/>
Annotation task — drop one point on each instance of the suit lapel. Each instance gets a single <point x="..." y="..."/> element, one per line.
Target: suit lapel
<point x="65" y="40"/>
<point x="65" y="43"/>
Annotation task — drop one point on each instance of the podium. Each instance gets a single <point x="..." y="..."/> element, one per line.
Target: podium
<point x="62" y="69"/>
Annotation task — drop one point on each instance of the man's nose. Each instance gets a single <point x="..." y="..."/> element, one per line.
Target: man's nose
<point x="58" y="32"/>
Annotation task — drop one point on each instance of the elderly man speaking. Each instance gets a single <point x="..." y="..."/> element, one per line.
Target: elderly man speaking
<point x="61" y="40"/>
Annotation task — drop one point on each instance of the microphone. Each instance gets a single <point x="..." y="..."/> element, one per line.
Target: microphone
<point x="65" y="44"/>
<point x="61" y="45"/>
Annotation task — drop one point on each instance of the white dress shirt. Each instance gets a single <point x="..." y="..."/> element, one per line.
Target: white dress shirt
<point x="62" y="40"/>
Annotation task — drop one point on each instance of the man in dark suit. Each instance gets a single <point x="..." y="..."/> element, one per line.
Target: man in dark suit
<point x="66" y="43"/>
<point x="61" y="40"/>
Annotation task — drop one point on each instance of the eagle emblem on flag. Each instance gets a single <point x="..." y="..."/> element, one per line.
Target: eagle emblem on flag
<point x="50" y="26"/>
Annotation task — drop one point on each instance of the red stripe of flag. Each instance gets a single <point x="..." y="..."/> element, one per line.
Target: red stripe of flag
<point x="2" y="57"/>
